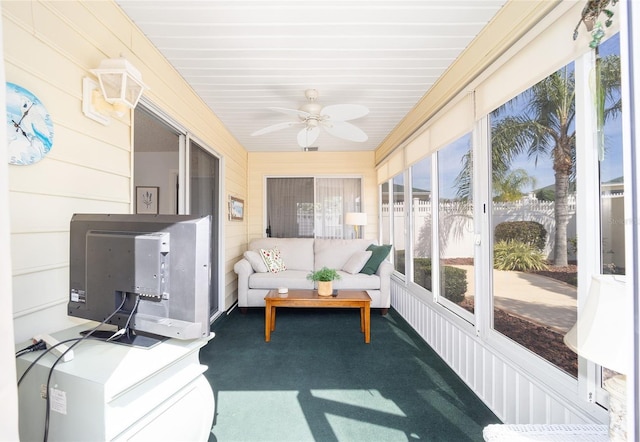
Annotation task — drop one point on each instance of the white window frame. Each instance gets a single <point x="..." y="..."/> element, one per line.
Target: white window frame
<point x="315" y="178"/>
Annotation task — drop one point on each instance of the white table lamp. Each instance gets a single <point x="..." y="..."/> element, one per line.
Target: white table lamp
<point x="356" y="219"/>
<point x="603" y="335"/>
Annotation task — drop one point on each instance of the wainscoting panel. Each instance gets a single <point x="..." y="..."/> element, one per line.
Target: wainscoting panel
<point x="510" y="394"/>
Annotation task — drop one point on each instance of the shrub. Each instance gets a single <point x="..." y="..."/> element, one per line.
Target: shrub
<point x="572" y="244"/>
<point x="528" y="232"/>
<point x="455" y="279"/>
<point x="517" y="255"/>
<point x="546" y="195"/>
<point x="455" y="284"/>
<point x="399" y="261"/>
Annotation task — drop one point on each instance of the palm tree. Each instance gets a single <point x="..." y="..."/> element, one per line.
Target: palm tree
<point x="509" y="188"/>
<point x="544" y="127"/>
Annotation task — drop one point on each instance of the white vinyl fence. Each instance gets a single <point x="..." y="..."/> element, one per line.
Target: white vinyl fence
<point x="457" y="224"/>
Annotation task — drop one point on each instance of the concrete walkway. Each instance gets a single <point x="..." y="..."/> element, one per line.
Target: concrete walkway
<point x="544" y="300"/>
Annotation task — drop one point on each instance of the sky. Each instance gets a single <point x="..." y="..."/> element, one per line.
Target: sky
<point x="449" y="158"/>
<point x="611" y="167"/>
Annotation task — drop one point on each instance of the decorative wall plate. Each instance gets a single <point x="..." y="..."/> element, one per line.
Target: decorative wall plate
<point x="29" y="127"/>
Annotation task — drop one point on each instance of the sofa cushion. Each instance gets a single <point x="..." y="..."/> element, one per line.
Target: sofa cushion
<point x="359" y="281"/>
<point x="357" y="262"/>
<point x="292" y="279"/>
<point x="300" y="253"/>
<point x="379" y="253"/>
<point x="256" y="261"/>
<point x="334" y="253"/>
<point x="297" y="253"/>
<point x="273" y="260"/>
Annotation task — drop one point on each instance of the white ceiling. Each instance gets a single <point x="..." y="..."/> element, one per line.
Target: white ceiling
<point x="244" y="56"/>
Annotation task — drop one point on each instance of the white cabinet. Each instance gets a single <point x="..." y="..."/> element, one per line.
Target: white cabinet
<point x="115" y="392"/>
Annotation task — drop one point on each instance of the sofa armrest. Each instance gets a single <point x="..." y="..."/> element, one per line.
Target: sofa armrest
<point x="385" y="269"/>
<point x="244" y="270"/>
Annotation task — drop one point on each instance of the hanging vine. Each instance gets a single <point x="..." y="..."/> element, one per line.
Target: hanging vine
<point x="589" y="17"/>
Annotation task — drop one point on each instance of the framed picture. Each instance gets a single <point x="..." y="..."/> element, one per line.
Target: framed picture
<point x="147" y="199"/>
<point x="236" y="208"/>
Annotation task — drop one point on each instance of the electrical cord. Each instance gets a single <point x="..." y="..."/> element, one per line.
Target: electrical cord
<point x="133" y="310"/>
<point x="125" y="329"/>
<point x="46" y="351"/>
<point x="78" y="340"/>
<point x="36" y="346"/>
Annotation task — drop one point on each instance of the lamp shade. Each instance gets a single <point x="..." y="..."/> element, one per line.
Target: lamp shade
<point x="602" y="332"/>
<point x="120" y="81"/>
<point x="355" y="219"/>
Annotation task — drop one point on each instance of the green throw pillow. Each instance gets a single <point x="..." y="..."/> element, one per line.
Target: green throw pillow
<point x="378" y="254"/>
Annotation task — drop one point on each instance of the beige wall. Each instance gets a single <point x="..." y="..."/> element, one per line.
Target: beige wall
<point x="48" y="48"/>
<point x="354" y="164"/>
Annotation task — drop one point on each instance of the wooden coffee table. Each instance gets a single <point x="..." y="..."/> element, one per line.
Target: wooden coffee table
<point x="310" y="298"/>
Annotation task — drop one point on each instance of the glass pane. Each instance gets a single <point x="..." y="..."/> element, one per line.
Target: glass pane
<point x="157" y="159"/>
<point x="203" y="194"/>
<point x="455" y="226"/>
<point x="385" y="229"/>
<point x="290" y="207"/>
<point x="203" y="173"/>
<point x="533" y="217"/>
<point x="611" y="171"/>
<point x="398" y="222"/>
<point x="421" y="197"/>
<point x="334" y="198"/>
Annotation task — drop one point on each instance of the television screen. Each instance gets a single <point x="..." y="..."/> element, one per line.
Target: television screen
<point x="157" y="267"/>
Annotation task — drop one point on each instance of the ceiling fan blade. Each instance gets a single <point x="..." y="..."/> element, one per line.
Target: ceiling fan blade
<point x="344" y="130"/>
<point x="275" y="127"/>
<point x="344" y="112"/>
<point x="292" y="112"/>
<point x="308" y="136"/>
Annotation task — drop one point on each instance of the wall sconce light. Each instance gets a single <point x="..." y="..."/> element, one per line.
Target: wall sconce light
<point x="120" y="88"/>
<point x="356" y="219"/>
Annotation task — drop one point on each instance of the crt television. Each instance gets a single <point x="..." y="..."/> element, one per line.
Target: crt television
<point x="158" y="265"/>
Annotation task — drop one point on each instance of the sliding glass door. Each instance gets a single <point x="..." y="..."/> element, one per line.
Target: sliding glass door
<point x="204" y="182"/>
<point x="308" y="207"/>
<point x="185" y="176"/>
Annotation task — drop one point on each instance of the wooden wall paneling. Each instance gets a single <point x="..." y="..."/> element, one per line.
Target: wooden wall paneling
<point x="40" y="288"/>
<point x="43" y="212"/>
<point x="514" y="397"/>
<point x="52" y="251"/>
<point x="70" y="180"/>
<point x="51" y="316"/>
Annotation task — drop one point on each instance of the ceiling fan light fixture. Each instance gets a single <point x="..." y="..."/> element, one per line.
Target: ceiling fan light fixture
<point x="311" y="108"/>
<point x="313" y="116"/>
<point x="311" y="94"/>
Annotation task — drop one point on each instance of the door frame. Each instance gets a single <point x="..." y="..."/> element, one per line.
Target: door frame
<point x="184" y="139"/>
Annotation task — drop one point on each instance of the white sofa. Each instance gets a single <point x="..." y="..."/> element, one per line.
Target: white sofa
<point x="303" y="255"/>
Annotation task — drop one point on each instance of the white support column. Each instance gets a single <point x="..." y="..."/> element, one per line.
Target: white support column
<point x="629" y="47"/>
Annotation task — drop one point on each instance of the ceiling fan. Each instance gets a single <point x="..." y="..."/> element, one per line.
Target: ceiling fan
<point x="312" y="115"/>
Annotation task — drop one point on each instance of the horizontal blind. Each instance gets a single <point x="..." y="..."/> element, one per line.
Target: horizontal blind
<point x="418" y="148"/>
<point x="396" y="163"/>
<point x="383" y="172"/>
<point x="547" y="48"/>
<point x="448" y="125"/>
<point x="456" y="121"/>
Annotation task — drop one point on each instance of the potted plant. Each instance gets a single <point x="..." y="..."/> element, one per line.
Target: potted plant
<point x="324" y="277"/>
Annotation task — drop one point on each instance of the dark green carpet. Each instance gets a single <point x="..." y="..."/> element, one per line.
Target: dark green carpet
<point x="318" y="380"/>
